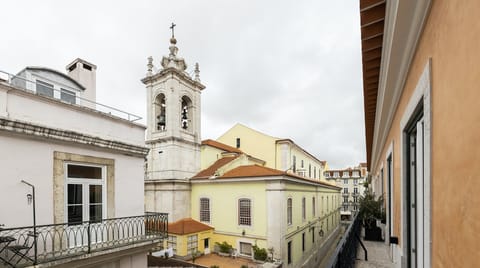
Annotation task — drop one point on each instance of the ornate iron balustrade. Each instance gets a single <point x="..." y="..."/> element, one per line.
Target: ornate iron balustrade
<point x="26" y="246"/>
<point x="346" y="251"/>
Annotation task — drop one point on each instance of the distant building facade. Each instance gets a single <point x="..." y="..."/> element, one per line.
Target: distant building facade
<point x="352" y="181"/>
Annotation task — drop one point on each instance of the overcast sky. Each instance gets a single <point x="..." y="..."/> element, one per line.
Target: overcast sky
<point x="290" y="68"/>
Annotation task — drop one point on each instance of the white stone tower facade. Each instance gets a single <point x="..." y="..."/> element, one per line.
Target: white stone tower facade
<point x="173" y="134"/>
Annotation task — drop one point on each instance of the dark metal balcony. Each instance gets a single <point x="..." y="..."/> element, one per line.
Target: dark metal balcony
<point x="346" y="250"/>
<point x="25" y="246"/>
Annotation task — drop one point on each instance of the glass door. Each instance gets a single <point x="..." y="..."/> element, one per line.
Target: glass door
<point x="85" y="204"/>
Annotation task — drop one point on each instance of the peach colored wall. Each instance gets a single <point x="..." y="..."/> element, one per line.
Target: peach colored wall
<point x="451" y="38"/>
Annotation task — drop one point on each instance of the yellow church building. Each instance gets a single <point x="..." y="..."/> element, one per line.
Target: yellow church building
<point x="252" y="191"/>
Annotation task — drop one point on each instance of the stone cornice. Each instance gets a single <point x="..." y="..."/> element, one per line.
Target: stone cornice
<point x="166" y="71"/>
<point x="37" y="131"/>
<point x="174" y="139"/>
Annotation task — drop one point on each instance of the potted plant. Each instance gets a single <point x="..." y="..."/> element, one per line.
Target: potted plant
<point x="224" y="248"/>
<point x="370" y="211"/>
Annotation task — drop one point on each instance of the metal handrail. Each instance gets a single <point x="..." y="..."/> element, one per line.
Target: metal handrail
<point x="108" y="109"/>
<point x="346" y="250"/>
<point x="64" y="240"/>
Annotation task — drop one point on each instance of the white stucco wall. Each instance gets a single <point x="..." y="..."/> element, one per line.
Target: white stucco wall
<point x="28" y="107"/>
<point x="30" y="156"/>
<point x="32" y="160"/>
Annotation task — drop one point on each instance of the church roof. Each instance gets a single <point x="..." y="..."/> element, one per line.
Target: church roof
<point x="187" y="226"/>
<point x="210" y="171"/>
<point x="252" y="171"/>
<point x="221" y="146"/>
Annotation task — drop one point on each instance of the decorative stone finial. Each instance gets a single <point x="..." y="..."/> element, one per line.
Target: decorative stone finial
<point x="197" y="72"/>
<point x="149" y="66"/>
<point x="172" y="61"/>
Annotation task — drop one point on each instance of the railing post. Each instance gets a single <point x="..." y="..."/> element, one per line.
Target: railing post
<point x="89" y="237"/>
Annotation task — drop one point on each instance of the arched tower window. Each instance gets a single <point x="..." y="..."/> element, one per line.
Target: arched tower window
<point x="186" y="110"/>
<point x="160" y="112"/>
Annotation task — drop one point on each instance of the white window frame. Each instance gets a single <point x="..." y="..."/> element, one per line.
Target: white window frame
<point x="422" y="93"/>
<point x="85" y="182"/>
<point x="209" y="209"/>
<point x="250" y="209"/>
<point x="304" y="208"/>
<point x="289" y="211"/>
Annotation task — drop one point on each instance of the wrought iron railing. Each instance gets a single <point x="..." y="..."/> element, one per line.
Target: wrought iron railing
<point x="29" y="85"/>
<point x="31" y="245"/>
<point x="346" y="250"/>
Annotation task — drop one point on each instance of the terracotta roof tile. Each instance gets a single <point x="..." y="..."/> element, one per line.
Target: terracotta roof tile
<point x="221" y="146"/>
<point x="210" y="171"/>
<point x="252" y="171"/>
<point x="261" y="171"/>
<point x="187" y="226"/>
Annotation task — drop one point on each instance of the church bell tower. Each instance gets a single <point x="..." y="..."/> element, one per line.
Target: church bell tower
<point x="173" y="133"/>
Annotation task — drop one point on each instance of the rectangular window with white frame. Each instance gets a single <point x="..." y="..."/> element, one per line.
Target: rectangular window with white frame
<point x="44" y="88"/>
<point x="204" y="209"/>
<point x="304" y="214"/>
<point x="68" y="96"/>
<point x="289" y="211"/>
<point x="85" y="193"/>
<point x="244" y="212"/>
<point x="192" y="244"/>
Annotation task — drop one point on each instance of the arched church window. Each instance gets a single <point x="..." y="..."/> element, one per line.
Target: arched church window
<point x="186" y="118"/>
<point x="160" y="112"/>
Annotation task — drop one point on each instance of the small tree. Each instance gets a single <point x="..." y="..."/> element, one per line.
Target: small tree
<point x="259" y="253"/>
<point x="371" y="209"/>
<point x="225" y="247"/>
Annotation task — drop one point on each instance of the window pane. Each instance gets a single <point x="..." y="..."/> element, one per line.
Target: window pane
<point x="75" y="213"/>
<point x="84" y="172"/>
<point x="44" y="89"/>
<point x="95" y="212"/>
<point x="244" y="212"/>
<point x="67" y="96"/>
<point x="205" y="209"/>
<point x="95" y="194"/>
<point x="246" y="249"/>
<point x="74" y="194"/>
<point x="289" y="211"/>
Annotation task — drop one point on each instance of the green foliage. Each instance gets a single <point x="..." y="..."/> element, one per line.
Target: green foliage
<point x="244" y="266"/>
<point x="371" y="209"/>
<point x="214" y="266"/>
<point x="259" y="253"/>
<point x="225" y="247"/>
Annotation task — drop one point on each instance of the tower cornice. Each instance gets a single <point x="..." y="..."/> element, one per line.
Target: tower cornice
<point x="171" y="70"/>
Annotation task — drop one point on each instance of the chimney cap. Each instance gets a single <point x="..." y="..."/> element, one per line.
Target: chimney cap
<point x="93" y="66"/>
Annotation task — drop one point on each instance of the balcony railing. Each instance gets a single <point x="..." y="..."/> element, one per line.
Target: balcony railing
<point x="25" y="246"/>
<point x="346" y="251"/>
<point x="27" y="85"/>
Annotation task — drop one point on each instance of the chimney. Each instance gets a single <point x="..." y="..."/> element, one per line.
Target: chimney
<point x="84" y="73"/>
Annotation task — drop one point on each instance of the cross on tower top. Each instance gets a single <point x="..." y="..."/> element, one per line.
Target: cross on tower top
<point x="173" y="30"/>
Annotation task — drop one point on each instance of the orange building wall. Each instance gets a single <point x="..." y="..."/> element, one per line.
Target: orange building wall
<point x="451" y="38"/>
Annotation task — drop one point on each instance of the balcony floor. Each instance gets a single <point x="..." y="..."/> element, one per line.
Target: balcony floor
<point x="378" y="255"/>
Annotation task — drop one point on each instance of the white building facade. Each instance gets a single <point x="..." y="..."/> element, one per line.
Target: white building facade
<point x="81" y="163"/>
<point x="352" y="181"/>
